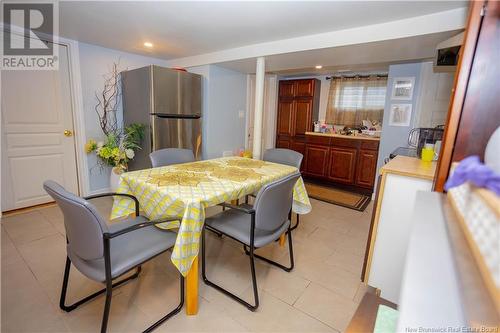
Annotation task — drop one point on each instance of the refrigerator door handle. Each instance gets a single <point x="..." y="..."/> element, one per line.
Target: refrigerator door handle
<point x="177" y="116"/>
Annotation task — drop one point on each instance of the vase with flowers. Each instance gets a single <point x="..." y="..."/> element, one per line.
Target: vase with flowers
<point x="120" y="143"/>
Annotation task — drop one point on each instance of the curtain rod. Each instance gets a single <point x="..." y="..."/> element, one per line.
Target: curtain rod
<point x="356" y="75"/>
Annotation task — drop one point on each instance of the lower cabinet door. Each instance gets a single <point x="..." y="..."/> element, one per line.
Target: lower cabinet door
<point x="367" y="165"/>
<point x="342" y="165"/>
<point x="316" y="161"/>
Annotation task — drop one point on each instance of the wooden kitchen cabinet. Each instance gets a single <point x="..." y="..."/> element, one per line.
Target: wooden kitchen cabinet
<point x="316" y="158"/>
<point x="298" y="108"/>
<point x="342" y="165"/>
<point x="367" y="166"/>
<point x="283" y="144"/>
<point x="287" y="89"/>
<point x="350" y="163"/>
<point x="304" y="88"/>
<point x="285" y="117"/>
<point x="302" y="122"/>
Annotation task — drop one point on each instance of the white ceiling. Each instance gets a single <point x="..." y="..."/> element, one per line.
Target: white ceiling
<point x="360" y="57"/>
<point x="182" y="29"/>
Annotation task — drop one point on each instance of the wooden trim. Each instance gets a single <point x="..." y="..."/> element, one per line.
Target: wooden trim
<point x="410" y="167"/>
<point x="491" y="199"/>
<point x="477" y="255"/>
<point x="374" y="228"/>
<point x="464" y="67"/>
<point x="479" y="307"/>
<point x="27" y="209"/>
<point x="370" y="233"/>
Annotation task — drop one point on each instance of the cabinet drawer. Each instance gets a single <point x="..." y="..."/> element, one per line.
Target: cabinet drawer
<point x="369" y="144"/>
<point x="318" y="140"/>
<point x="348" y="143"/>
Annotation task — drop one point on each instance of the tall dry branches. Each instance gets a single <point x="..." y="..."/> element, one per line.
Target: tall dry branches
<point x="108" y="100"/>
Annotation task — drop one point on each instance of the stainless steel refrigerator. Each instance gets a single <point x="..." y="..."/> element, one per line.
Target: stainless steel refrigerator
<point x="168" y="102"/>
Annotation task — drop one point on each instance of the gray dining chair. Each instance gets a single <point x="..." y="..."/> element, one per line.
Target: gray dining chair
<point x="254" y="227"/>
<point x="169" y="156"/>
<point x="283" y="156"/>
<point x="287" y="157"/>
<point x="103" y="253"/>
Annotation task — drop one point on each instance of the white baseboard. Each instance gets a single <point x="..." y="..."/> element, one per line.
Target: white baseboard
<point x="99" y="191"/>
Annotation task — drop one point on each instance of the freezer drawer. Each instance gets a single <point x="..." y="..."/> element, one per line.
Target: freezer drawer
<point x="170" y="132"/>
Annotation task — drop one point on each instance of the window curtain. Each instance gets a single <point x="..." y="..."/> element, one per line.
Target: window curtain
<point x="353" y="99"/>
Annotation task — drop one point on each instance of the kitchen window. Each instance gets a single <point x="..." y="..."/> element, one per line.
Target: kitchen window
<point x="353" y="99"/>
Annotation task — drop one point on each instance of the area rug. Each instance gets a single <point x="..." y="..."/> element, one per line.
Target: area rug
<point x="338" y="197"/>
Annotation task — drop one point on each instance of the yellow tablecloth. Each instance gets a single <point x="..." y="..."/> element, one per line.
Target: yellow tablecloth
<point x="185" y="190"/>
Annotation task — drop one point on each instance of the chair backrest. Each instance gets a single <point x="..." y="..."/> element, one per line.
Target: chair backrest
<point x="84" y="226"/>
<point x="283" y="156"/>
<point x="170" y="156"/>
<point x="274" y="202"/>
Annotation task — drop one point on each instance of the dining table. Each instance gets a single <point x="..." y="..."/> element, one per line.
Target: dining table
<point x="187" y="190"/>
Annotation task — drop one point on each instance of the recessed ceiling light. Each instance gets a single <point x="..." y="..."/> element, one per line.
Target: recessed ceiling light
<point x="148" y="44"/>
<point x="318" y="66"/>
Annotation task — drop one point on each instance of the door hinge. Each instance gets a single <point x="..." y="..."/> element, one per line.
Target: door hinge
<point x="483" y="10"/>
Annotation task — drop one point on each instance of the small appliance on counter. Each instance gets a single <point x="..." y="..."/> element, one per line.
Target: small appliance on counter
<point x="419" y="137"/>
<point x="404" y="151"/>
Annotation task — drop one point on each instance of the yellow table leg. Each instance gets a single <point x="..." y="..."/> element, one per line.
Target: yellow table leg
<point x="192" y="289"/>
<point x="282" y="240"/>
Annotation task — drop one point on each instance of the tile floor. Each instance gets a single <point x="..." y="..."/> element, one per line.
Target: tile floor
<point x="319" y="295"/>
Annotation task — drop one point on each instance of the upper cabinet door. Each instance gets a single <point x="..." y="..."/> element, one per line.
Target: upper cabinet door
<point x="303" y="117"/>
<point x="285" y="117"/>
<point x="304" y="88"/>
<point x="287" y="89"/>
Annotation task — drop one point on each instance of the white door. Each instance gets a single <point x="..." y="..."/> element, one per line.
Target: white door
<point x="37" y="134"/>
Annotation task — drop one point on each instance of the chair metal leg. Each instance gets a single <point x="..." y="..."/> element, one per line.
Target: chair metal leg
<point x="296" y="224"/>
<point x="290" y="250"/>
<point x="107" y="306"/>
<point x="73" y="306"/>
<point x="224" y="291"/>
<point x="171" y="313"/>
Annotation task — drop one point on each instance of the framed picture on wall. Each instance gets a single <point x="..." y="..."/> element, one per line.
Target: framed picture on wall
<point x="400" y="115"/>
<point x="402" y="88"/>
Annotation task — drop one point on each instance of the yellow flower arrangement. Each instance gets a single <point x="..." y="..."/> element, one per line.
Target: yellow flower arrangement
<point x="119" y="146"/>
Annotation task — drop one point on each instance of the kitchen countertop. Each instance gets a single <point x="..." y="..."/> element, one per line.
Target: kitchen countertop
<point x="358" y="137"/>
<point x="410" y="166"/>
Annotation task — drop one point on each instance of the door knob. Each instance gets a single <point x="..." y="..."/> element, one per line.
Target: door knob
<point x="68" y="133"/>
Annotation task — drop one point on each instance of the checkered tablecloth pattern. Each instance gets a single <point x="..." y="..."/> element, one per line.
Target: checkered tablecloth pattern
<point x="162" y="193"/>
